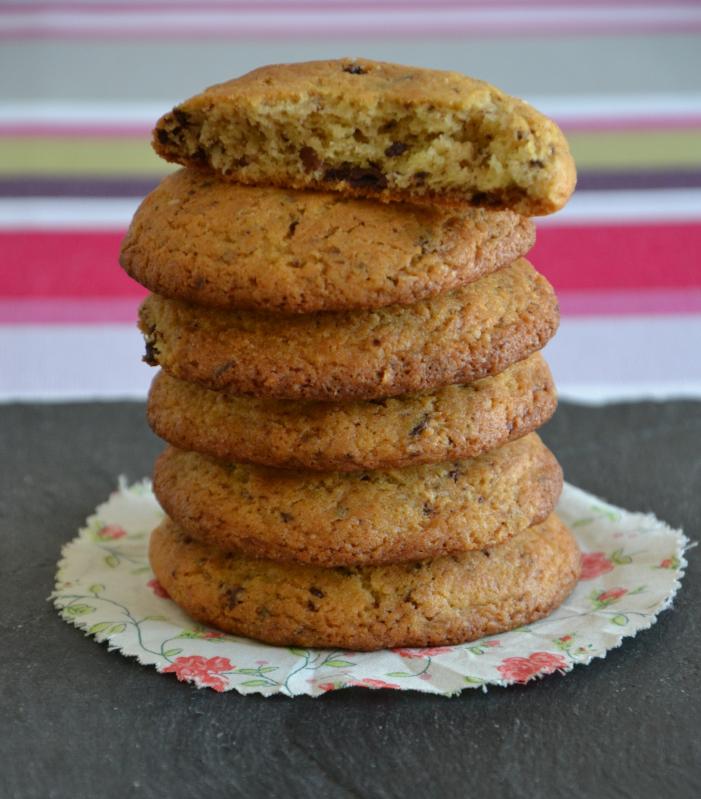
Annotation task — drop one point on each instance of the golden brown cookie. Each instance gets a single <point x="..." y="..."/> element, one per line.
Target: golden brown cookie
<point x="449" y="600"/>
<point x="214" y="243"/>
<point x="374" y="129"/>
<point x="474" y="331"/>
<point x="342" y="518"/>
<point x="454" y="423"/>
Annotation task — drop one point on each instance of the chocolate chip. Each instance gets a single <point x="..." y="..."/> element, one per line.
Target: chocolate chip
<point x="420" y="426"/>
<point x="420" y="177"/>
<point x="224" y="367"/>
<point x="536" y="162"/>
<point x="396" y="148"/>
<point x="345" y="571"/>
<point x="231" y="597"/>
<point x="181" y="117"/>
<point x="312" y="607"/>
<point x="291" y="229"/>
<point x="241" y="162"/>
<point x="317" y="592"/>
<point x="480" y="500"/>
<point x="354" y="69"/>
<point x="151" y="355"/>
<point x="486" y="198"/>
<point x="369" y="177"/>
<point x="310" y="160"/>
<point x="428" y="509"/>
<point x="454" y="474"/>
<point x="286" y="517"/>
<point x="163" y="136"/>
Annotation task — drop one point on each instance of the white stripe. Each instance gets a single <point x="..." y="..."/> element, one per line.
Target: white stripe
<point x="60" y="213"/>
<point x="650" y="205"/>
<point x="604" y="359"/>
<point x="593" y="359"/>
<point x="586" y="207"/>
<point x="146" y="112"/>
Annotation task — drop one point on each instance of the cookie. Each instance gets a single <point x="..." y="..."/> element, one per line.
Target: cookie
<point x="223" y="245"/>
<point x="342" y="518"/>
<point x="465" y="335"/>
<point x="449" y="600"/>
<point x="377" y="130"/>
<point x="455" y="423"/>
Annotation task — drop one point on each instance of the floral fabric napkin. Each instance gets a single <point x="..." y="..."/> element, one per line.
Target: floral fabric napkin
<point x="632" y="567"/>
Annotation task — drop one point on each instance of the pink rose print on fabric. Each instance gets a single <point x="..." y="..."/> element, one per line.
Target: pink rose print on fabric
<point x="158" y="589"/>
<point x="368" y="682"/>
<point x="201" y="670"/>
<point x="669" y="563"/>
<point x="594" y="564"/>
<point x="612" y="595"/>
<point x="521" y="670"/>
<point x="111" y="531"/>
<point x="423" y="653"/>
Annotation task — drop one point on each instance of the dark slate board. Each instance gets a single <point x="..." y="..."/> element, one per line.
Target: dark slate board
<point x="77" y="721"/>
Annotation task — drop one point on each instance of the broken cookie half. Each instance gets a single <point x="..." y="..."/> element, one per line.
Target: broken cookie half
<point x="373" y="129"/>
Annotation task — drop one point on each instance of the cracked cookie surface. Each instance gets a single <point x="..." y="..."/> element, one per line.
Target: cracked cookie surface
<point x="449" y="600"/>
<point x="214" y="243"/>
<point x="454" y="423"/>
<point x="470" y="333"/>
<point x="351" y="518"/>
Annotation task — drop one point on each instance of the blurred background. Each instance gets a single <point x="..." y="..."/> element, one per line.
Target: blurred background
<point x="81" y="84"/>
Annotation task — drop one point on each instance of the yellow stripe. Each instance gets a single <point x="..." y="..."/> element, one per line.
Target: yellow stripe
<point x="632" y="149"/>
<point x="126" y="156"/>
<point x="84" y="156"/>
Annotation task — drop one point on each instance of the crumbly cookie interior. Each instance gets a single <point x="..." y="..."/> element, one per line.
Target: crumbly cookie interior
<point x="484" y="154"/>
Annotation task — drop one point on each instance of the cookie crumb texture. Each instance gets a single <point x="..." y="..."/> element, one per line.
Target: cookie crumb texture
<point x="374" y="129"/>
<point x="465" y="335"/>
<point x="455" y="423"/>
<point x="334" y="519"/>
<point x="214" y="243"/>
<point x="449" y="600"/>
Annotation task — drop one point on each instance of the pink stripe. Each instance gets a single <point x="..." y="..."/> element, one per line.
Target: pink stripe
<point x="324" y="5"/>
<point x="98" y="310"/>
<point x="74" y="263"/>
<point x="51" y="310"/>
<point x="628" y="303"/>
<point x="69" y="130"/>
<point x="328" y="28"/>
<point x="134" y="130"/>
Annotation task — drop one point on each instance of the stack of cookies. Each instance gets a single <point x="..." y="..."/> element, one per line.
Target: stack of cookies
<point x="348" y="334"/>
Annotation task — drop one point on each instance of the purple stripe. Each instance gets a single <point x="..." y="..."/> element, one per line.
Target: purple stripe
<point x="607" y="179"/>
<point x="37" y="186"/>
<point x="66" y="186"/>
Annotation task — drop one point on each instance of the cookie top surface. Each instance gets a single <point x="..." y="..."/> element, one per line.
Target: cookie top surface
<point x="477" y="330"/>
<point x="350" y="518"/>
<point x="448" y="600"/>
<point x="202" y="239"/>
<point x="374" y="129"/>
<point x="454" y="423"/>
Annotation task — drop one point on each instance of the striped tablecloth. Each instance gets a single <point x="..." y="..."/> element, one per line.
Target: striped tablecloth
<point x="81" y="84"/>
